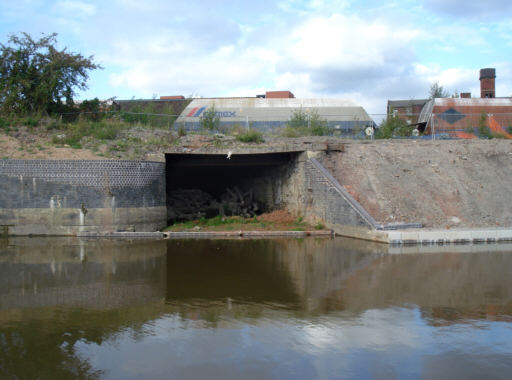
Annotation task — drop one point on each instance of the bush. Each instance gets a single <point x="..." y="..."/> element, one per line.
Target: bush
<point x="251" y="136"/>
<point x="393" y="126"/>
<point x="209" y="120"/>
<point x="289" y="131"/>
<point x="91" y="110"/>
<point x="4" y="124"/>
<point x="306" y="123"/>
<point x="30" y="121"/>
<point x="483" y="130"/>
<point x="105" y="130"/>
<point x="182" y="131"/>
<point x="73" y="133"/>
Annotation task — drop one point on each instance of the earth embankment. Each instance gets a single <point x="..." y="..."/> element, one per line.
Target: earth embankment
<point x="442" y="184"/>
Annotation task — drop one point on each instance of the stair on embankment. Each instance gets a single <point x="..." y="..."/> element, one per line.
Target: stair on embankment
<point x="440" y="184"/>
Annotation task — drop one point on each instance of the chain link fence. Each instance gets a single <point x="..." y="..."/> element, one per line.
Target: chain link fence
<point x="453" y="125"/>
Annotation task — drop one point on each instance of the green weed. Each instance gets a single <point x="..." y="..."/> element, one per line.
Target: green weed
<point x="319" y="226"/>
<point x="31" y="122"/>
<point x="251" y="136"/>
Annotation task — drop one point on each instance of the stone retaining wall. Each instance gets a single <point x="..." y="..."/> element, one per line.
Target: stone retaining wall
<point x="67" y="197"/>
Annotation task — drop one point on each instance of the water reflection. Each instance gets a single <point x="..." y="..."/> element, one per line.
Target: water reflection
<point x="320" y="276"/>
<point x="55" y="293"/>
<point x="304" y="308"/>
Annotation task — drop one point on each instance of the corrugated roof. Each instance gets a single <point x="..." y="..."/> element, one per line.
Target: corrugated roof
<point x="406" y="103"/>
<point x="465" y="106"/>
<point x="280" y="110"/>
<point x="272" y="102"/>
<point x="426" y="111"/>
<point x="469" y="102"/>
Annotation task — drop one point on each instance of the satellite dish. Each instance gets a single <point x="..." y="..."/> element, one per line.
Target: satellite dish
<point x="369" y="131"/>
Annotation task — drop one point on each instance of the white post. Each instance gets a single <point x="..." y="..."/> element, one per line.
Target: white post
<point x="432" y="127"/>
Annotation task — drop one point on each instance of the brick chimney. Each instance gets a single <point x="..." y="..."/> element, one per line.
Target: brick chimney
<point x="487" y="77"/>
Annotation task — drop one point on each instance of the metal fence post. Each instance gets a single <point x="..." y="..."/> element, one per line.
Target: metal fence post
<point x="432" y="126"/>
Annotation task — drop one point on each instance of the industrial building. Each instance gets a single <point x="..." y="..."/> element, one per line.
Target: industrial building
<point x="406" y="110"/>
<point x="465" y="116"/>
<point x="274" y="110"/>
<point x="461" y="117"/>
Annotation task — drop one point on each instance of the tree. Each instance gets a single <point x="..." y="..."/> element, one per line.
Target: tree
<point x="437" y="91"/>
<point x="307" y="123"/>
<point x="393" y="126"/>
<point x="210" y="120"/>
<point x="36" y="77"/>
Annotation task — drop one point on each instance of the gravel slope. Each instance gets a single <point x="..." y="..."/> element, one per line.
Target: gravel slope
<point x="442" y="184"/>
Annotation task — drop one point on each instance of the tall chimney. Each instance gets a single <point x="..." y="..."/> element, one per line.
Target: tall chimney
<point x="487" y="77"/>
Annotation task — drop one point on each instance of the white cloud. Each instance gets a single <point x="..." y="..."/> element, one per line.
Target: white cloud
<point x="314" y="48"/>
<point x="345" y="42"/>
<point x="75" y="8"/>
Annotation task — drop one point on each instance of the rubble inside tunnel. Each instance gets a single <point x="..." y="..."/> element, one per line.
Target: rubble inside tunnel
<point x="207" y="185"/>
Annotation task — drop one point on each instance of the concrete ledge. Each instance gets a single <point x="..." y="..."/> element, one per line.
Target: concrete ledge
<point x="123" y="235"/>
<point x="458" y="236"/>
<point x="449" y="248"/>
<point x="72" y="221"/>
<point x="213" y="234"/>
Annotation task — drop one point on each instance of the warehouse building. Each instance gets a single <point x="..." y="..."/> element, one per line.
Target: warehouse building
<point x="274" y="110"/>
<point x="465" y="117"/>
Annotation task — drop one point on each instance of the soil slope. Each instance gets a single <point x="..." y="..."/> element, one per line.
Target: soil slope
<point x="442" y="184"/>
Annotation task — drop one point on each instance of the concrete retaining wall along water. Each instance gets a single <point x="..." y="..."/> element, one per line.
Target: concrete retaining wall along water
<point x="67" y="197"/>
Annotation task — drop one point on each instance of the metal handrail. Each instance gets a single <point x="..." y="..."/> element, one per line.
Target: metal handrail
<point x="356" y="205"/>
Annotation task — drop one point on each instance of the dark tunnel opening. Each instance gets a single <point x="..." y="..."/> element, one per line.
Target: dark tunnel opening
<point x="206" y="185"/>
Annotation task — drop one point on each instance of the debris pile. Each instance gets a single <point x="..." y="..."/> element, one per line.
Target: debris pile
<point x="191" y="204"/>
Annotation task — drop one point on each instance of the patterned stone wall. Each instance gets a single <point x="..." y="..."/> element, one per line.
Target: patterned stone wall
<point x="328" y="203"/>
<point x="91" y="195"/>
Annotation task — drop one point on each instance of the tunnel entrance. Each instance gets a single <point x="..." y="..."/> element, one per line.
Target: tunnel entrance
<point x="206" y="185"/>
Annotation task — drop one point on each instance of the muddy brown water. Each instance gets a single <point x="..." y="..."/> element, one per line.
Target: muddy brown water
<point x="252" y="309"/>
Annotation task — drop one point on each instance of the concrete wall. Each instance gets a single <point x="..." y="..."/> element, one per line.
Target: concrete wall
<point x="309" y="193"/>
<point x="68" y="197"/>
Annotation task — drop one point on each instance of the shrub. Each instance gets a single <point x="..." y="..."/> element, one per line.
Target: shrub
<point x="483" y="130"/>
<point x="289" y="131"/>
<point x="251" y="136"/>
<point x="30" y="121"/>
<point x="182" y="131"/>
<point x="306" y="123"/>
<point x="393" y="126"/>
<point x="210" y="120"/>
<point x="105" y="130"/>
<point x="91" y="109"/>
<point x="4" y="124"/>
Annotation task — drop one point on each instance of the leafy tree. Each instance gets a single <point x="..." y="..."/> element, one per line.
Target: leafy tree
<point x="210" y="120"/>
<point x="307" y="123"/>
<point x="36" y="77"/>
<point x="299" y="119"/>
<point x="393" y="126"/>
<point x="437" y="91"/>
<point x="317" y="125"/>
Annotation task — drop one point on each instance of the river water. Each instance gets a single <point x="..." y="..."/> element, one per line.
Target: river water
<point x="252" y="309"/>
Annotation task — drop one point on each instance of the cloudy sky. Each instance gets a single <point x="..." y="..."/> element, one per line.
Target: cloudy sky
<point x="368" y="51"/>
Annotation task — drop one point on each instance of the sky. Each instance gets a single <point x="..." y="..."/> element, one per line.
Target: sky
<point x="367" y="51"/>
